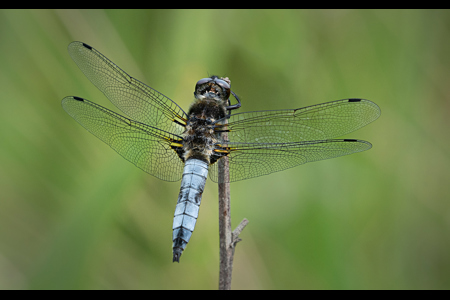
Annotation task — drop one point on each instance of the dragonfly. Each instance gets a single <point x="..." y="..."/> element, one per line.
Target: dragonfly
<point x="162" y="139"/>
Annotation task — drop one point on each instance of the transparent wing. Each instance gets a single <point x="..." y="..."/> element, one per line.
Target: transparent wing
<point x="134" y="98"/>
<point x="147" y="147"/>
<point x="248" y="160"/>
<point x="317" y="122"/>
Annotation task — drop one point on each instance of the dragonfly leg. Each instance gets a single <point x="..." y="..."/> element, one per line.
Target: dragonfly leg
<point x="235" y="106"/>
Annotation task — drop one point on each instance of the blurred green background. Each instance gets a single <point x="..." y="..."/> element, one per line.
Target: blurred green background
<point x="75" y="215"/>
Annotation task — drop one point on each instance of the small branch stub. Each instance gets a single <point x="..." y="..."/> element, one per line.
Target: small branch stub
<point x="237" y="231"/>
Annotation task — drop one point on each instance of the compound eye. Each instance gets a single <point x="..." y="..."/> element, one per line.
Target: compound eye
<point x="203" y="81"/>
<point x="223" y="84"/>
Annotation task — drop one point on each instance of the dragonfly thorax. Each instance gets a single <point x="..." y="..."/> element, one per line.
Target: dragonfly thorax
<point x="199" y="138"/>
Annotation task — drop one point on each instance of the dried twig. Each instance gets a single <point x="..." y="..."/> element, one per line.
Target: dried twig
<point x="228" y="239"/>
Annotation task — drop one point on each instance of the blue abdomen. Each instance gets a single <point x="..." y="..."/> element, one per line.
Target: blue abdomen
<point x="186" y="212"/>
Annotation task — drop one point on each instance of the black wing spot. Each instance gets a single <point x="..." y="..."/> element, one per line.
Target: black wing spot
<point x="130" y="80"/>
<point x="354" y="100"/>
<point x="350" y="140"/>
<point x="78" y="98"/>
<point x="87" y="46"/>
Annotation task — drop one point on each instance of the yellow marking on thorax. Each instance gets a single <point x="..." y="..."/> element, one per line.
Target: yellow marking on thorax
<point x="221" y="151"/>
<point x="176" y="145"/>
<point x="179" y="119"/>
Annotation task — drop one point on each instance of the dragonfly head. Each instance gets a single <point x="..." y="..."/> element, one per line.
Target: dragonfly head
<point x="213" y="88"/>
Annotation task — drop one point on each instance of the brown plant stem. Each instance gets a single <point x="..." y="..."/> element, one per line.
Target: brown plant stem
<point x="228" y="239"/>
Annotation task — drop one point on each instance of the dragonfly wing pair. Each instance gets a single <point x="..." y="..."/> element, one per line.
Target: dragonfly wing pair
<point x="259" y="142"/>
<point x="263" y="142"/>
